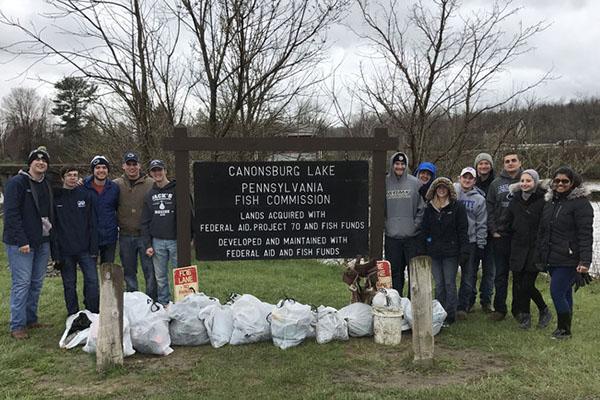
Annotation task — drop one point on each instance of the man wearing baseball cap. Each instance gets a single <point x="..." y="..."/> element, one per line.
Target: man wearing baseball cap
<point x="159" y="227"/>
<point x="28" y="219"/>
<point x="133" y="185"/>
<point x="474" y="201"/>
<point x="106" y="195"/>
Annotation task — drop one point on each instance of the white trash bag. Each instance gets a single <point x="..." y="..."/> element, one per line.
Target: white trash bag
<point x="186" y="328"/>
<point x="291" y="323"/>
<point x="406" y="311"/>
<point x="387" y="299"/>
<point x="438" y="315"/>
<point x="149" y="324"/>
<point x="359" y="317"/>
<point x="250" y="324"/>
<point x="77" y="328"/>
<point x="90" y="345"/>
<point x="330" y="326"/>
<point x="218" y="321"/>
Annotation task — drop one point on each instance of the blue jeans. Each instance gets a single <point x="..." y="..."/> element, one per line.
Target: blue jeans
<point x="129" y="248"/>
<point x="444" y="271"/>
<point x="488" y="274"/>
<point x="165" y="253"/>
<point x="468" y="280"/>
<point x="91" y="292"/>
<point x="399" y="252"/>
<point x="501" y="262"/>
<point x="561" y="290"/>
<point x="27" y="276"/>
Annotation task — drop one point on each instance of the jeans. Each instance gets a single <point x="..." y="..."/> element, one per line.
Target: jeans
<point x="444" y="271"/>
<point x="561" y="281"/>
<point x="107" y="253"/>
<point x="91" y="292"/>
<point x="129" y="248"/>
<point x="501" y="262"/>
<point x="468" y="280"/>
<point x="399" y="252"/>
<point x="27" y="277"/>
<point x="488" y="274"/>
<point x="165" y="253"/>
<point x="524" y="281"/>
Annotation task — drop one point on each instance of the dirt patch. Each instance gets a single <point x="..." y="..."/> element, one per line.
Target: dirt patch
<point x="450" y="367"/>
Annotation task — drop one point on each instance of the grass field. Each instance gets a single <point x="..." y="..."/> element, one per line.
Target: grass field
<point x="475" y="359"/>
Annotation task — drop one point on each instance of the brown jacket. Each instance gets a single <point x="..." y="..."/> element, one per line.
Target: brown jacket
<point x="131" y="202"/>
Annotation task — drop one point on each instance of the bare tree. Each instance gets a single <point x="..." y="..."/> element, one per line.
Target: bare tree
<point x="435" y="65"/>
<point x="258" y="59"/>
<point x="127" y="46"/>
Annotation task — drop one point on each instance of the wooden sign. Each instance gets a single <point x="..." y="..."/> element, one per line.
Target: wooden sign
<point x="185" y="281"/>
<point x="281" y="210"/>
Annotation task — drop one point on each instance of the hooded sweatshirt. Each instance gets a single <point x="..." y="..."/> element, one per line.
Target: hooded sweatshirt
<point x="475" y="205"/>
<point x="404" y="205"/>
<point x="497" y="202"/>
<point x="426" y="166"/>
<point x="159" y="219"/>
<point x="75" y="222"/>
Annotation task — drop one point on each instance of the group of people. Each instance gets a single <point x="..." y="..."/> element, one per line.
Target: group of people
<point x="80" y="223"/>
<point x="510" y="222"/>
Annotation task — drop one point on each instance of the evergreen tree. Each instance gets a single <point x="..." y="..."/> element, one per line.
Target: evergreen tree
<point x="72" y="100"/>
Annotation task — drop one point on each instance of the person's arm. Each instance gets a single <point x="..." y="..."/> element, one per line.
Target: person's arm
<point x="584" y="223"/>
<point x="145" y="226"/>
<point x="420" y="211"/>
<point x="462" y="224"/>
<point x="13" y="221"/>
<point x="491" y="208"/>
<point x="93" y="225"/>
<point x="481" y="225"/>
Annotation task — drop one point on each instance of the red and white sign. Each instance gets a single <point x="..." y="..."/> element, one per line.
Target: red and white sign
<point x="384" y="274"/>
<point x="185" y="281"/>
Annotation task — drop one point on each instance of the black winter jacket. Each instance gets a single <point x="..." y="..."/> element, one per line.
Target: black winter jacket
<point x="76" y="222"/>
<point x="565" y="236"/>
<point x="445" y="232"/>
<point x="497" y="202"/>
<point x="523" y="220"/>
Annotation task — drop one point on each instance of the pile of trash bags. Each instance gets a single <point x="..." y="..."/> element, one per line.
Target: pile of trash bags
<point x="198" y="319"/>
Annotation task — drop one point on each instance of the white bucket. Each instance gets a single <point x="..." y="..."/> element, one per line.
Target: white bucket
<point x="387" y="326"/>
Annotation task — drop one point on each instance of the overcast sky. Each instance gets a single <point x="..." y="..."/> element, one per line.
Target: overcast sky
<point x="569" y="47"/>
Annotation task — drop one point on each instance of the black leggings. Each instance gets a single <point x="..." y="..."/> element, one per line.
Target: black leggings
<point x="524" y="290"/>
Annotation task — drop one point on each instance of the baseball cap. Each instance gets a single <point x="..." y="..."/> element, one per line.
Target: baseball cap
<point x="468" y="170"/>
<point x="130" y="156"/>
<point x="156" y="164"/>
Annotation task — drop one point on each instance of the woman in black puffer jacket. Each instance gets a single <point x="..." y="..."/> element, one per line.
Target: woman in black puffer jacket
<point x="523" y="219"/>
<point x="445" y="232"/>
<point x="565" y="241"/>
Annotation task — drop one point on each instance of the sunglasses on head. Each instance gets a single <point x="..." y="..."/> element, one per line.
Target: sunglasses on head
<point x="563" y="181"/>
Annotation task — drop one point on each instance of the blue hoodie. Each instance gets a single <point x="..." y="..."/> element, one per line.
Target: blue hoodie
<point x="106" y="204"/>
<point x="426" y="166"/>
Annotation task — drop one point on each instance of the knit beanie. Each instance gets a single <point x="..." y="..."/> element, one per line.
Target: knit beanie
<point x="536" y="177"/>
<point x="400" y="157"/>
<point x="481" y="157"/>
<point x="39" y="153"/>
<point x="99" y="160"/>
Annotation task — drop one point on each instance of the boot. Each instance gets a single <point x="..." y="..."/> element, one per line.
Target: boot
<point x="563" y="330"/>
<point x="525" y="321"/>
<point x="545" y="318"/>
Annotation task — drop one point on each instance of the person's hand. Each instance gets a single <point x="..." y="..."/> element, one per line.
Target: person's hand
<point x="149" y="251"/>
<point x="582" y="279"/>
<point x="80" y="182"/>
<point x="496" y="235"/>
<point x="582" y="269"/>
<point x="25" y="249"/>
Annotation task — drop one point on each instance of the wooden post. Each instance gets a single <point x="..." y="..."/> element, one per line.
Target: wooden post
<point x="378" y="170"/>
<point x="422" y="328"/>
<point x="109" y="350"/>
<point x="182" y="191"/>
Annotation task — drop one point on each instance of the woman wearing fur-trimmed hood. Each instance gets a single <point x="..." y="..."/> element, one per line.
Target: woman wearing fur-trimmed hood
<point x="565" y="240"/>
<point x="445" y="233"/>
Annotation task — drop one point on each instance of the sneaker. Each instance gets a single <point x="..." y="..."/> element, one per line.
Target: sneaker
<point x="561" y="334"/>
<point x="525" y="321"/>
<point x="461" y="315"/>
<point x="487" y="308"/>
<point x="19" y="334"/>
<point x="497" y="316"/>
<point x="545" y="318"/>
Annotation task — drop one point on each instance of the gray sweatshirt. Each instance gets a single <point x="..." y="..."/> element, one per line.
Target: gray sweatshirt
<point x="404" y="205"/>
<point x="474" y="202"/>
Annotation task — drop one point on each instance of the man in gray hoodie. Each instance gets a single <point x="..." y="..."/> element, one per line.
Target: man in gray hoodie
<point x="474" y="201"/>
<point x="497" y="205"/>
<point x="404" y="209"/>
